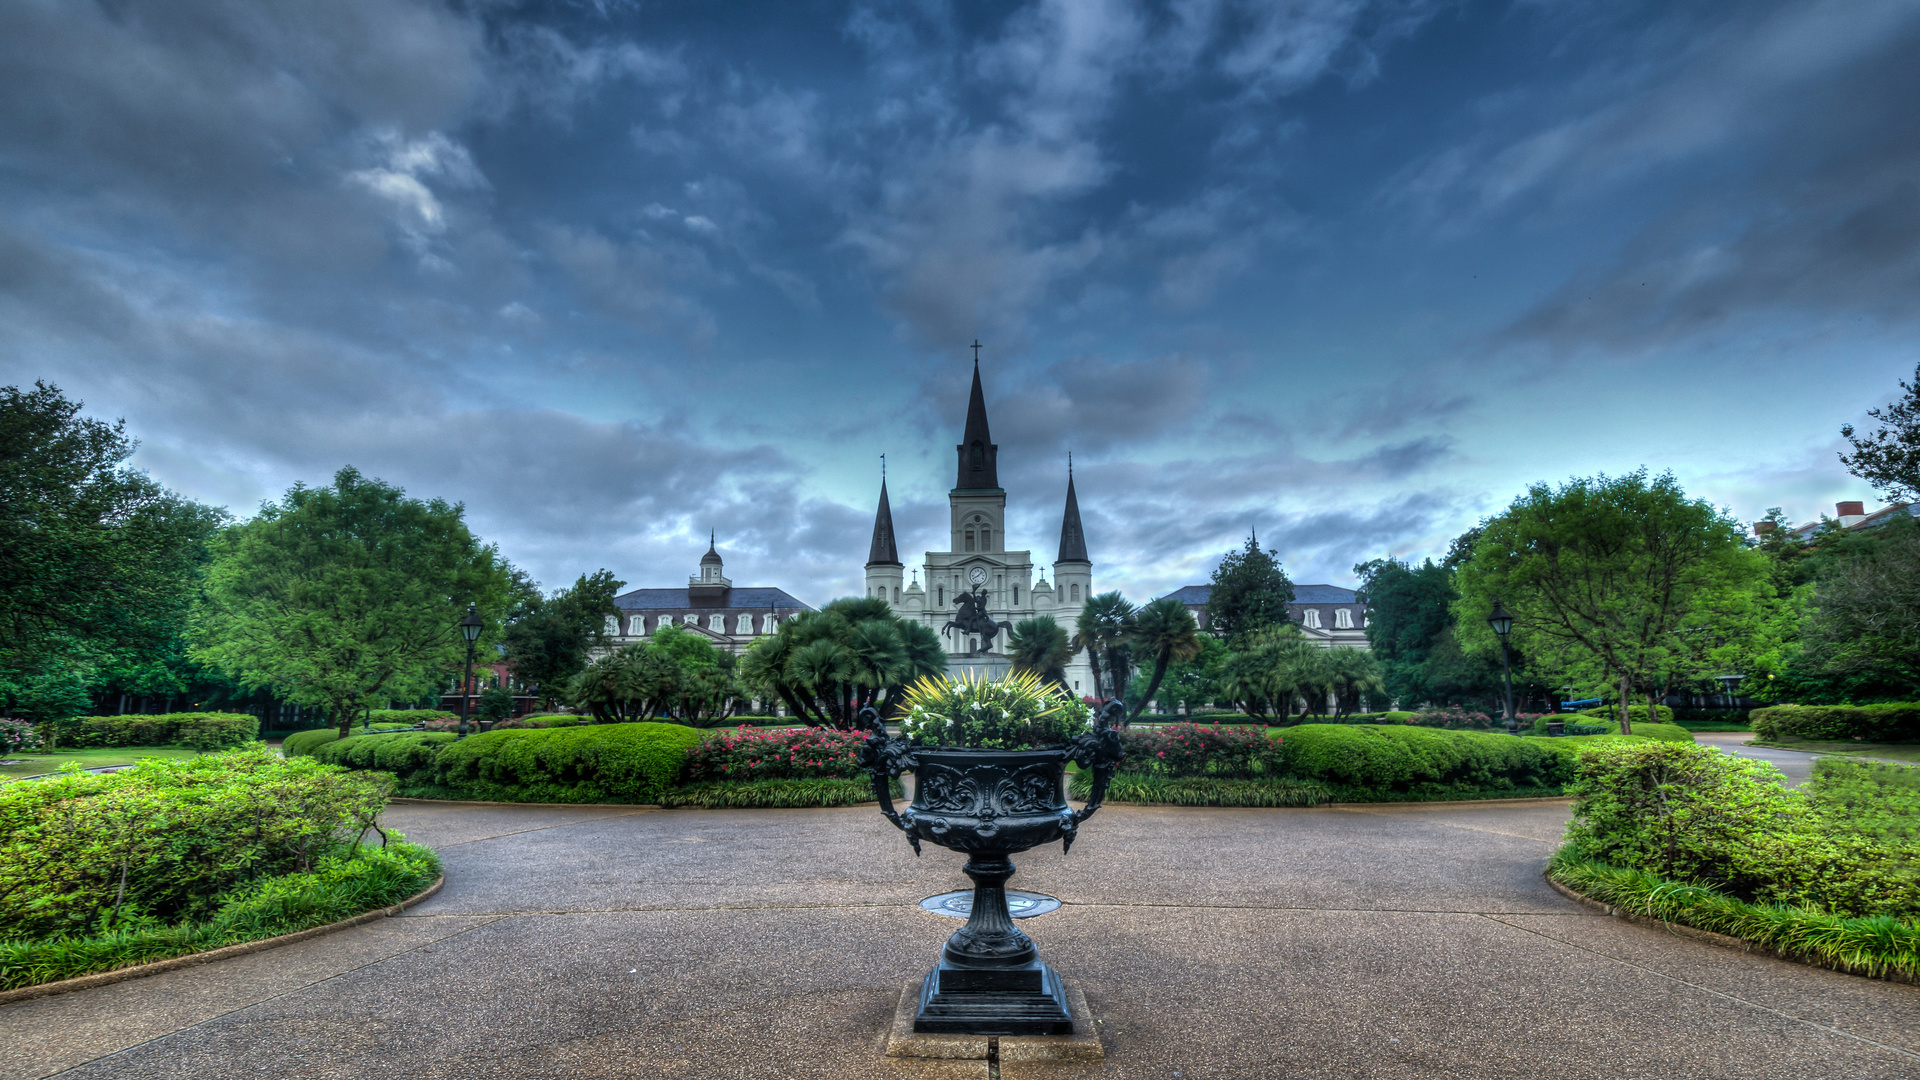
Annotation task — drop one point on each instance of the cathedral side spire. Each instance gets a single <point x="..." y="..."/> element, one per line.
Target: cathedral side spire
<point x="977" y="452"/>
<point x="1073" y="539"/>
<point x="883" y="552"/>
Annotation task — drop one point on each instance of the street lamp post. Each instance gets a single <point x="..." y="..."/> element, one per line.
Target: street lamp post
<point x="470" y="629"/>
<point x="1502" y="624"/>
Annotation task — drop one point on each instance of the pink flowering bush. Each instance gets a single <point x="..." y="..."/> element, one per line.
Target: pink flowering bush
<point x="1453" y="718"/>
<point x="746" y="753"/>
<point x="17" y="735"/>
<point x="1200" y="750"/>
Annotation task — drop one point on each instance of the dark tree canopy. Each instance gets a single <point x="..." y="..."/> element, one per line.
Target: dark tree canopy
<point x="549" y="641"/>
<point x="1889" y="459"/>
<point x="98" y="564"/>
<point x="1409" y="625"/>
<point x="1250" y="593"/>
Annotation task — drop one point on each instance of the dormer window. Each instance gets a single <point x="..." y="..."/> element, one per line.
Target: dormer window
<point x="1311" y="617"/>
<point x="1343" y="618"/>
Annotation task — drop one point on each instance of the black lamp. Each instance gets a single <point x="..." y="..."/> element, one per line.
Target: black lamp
<point x="470" y="628"/>
<point x="1502" y="624"/>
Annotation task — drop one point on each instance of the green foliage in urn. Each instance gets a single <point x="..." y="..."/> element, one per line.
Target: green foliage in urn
<point x="1018" y="712"/>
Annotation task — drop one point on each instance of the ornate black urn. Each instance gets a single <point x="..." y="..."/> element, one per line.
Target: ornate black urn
<point x="990" y="804"/>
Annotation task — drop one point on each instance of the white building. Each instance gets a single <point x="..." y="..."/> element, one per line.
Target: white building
<point x="710" y="605"/>
<point x="978" y="562"/>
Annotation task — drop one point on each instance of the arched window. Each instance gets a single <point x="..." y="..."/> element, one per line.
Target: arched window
<point x="639" y="626"/>
<point x="896" y="594"/>
<point x="1076" y="592"/>
<point x="979" y="458"/>
<point x="613" y="625"/>
<point x="1311" y="617"/>
<point x="767" y="623"/>
<point x="986" y="541"/>
<point x="969" y="539"/>
<point x="1343" y="618"/>
<point x="1016" y="596"/>
<point x="940" y="596"/>
<point x="743" y="625"/>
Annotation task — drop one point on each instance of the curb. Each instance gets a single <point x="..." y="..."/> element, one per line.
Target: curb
<point x="573" y="805"/>
<point x="1531" y="800"/>
<point x="172" y="963"/>
<point x="1725" y="941"/>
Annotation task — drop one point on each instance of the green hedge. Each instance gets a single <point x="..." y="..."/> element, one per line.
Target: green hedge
<point x="1364" y="763"/>
<point x="342" y="884"/>
<point x="84" y="852"/>
<point x="1156" y="790"/>
<point x="1892" y="722"/>
<point x="407" y="754"/>
<point x="625" y="763"/>
<point x="1641" y="729"/>
<point x="1611" y="713"/>
<point x="196" y="730"/>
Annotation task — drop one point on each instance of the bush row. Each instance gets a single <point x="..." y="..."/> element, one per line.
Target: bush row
<point x="1161" y="790"/>
<point x="195" y="730"/>
<point x="1843" y="845"/>
<point x="1893" y="722"/>
<point x="1364" y="763"/>
<point x="159" y="843"/>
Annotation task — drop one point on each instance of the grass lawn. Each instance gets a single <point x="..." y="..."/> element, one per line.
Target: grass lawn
<point x="35" y="764"/>
<point x="1896" y="751"/>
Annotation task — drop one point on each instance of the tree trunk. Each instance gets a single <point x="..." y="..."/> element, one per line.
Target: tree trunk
<point x="1626" y="707"/>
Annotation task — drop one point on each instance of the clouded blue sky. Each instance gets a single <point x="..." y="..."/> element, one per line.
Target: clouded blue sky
<point x="612" y="274"/>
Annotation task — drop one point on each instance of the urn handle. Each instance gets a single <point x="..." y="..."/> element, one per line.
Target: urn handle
<point x="885" y="758"/>
<point x="1101" y="751"/>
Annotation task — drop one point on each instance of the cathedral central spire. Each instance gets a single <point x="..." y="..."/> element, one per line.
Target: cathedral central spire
<point x="883" y="552"/>
<point x="977" y="452"/>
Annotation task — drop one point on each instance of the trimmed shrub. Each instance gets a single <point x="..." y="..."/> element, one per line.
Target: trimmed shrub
<point x="749" y="754"/>
<point x="1600" y="725"/>
<point x="406" y="754"/>
<point x="1162" y="790"/>
<point x="341" y="885"/>
<point x="195" y="730"/>
<point x="1695" y="815"/>
<point x="83" y="852"/>
<point x="1200" y="750"/>
<point x="1362" y="763"/>
<point x="1638" y="713"/>
<point x="303" y="743"/>
<point x="626" y="763"/>
<point x="410" y="717"/>
<point x="776" y="794"/>
<point x="550" y="720"/>
<point x="1453" y="719"/>
<point x="1892" y="722"/>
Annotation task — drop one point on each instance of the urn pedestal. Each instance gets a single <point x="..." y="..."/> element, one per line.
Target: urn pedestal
<point x="990" y="805"/>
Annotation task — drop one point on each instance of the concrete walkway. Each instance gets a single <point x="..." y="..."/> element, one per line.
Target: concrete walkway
<point x="1382" y="942"/>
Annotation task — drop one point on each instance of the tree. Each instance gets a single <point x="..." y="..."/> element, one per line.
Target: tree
<point x="1889" y="459"/>
<point x="549" y="638"/>
<point x="1863" y="635"/>
<point x="675" y="675"/>
<point x="1268" y="669"/>
<point x="1195" y="682"/>
<point x="829" y="664"/>
<point x="1351" y="674"/>
<point x="1409" y="608"/>
<point x="346" y="597"/>
<point x="98" y="564"/>
<point x="1250" y="593"/>
<point x="1040" y="645"/>
<point x="1164" y="631"/>
<point x="1102" y="631"/>
<point x="1611" y="574"/>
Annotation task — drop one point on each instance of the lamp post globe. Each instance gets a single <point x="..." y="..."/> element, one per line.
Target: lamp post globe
<point x="1502" y="624"/>
<point x="470" y="628"/>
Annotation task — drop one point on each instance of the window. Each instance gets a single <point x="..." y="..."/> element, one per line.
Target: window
<point x="1343" y="618"/>
<point x="743" y="625"/>
<point x="969" y="539"/>
<point x="940" y="596"/>
<point x="639" y="626"/>
<point x="896" y="594"/>
<point x="689" y="620"/>
<point x="613" y="625"/>
<point x="767" y="623"/>
<point x="985" y="543"/>
<point x="1016" y="596"/>
<point x="1076" y="592"/>
<point x="1311" y="617"/>
<point x="717" y="623"/>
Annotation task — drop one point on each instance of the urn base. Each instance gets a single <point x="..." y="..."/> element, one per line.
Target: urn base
<point x="1024" y="1000"/>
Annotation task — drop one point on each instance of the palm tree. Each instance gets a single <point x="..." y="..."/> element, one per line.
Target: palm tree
<point x="1353" y="672"/>
<point x="1165" y="631"/>
<point x="1102" y="631"/>
<point x="1040" y="645"/>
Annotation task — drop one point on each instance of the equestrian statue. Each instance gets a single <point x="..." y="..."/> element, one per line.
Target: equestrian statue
<point x="972" y="620"/>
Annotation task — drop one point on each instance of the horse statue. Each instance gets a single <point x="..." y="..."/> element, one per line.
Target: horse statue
<point x="972" y="619"/>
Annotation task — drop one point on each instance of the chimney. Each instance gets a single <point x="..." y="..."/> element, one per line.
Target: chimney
<point x="1851" y="513"/>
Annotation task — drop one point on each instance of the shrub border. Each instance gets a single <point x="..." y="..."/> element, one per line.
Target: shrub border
<point x="174" y="963"/>
<point x="1712" y="937"/>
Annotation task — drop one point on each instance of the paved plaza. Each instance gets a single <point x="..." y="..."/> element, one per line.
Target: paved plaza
<point x="1411" y="941"/>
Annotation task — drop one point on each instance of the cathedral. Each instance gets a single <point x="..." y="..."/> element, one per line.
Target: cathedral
<point x="975" y="591"/>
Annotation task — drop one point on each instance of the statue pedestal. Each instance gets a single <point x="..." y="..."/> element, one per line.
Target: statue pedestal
<point x="988" y="666"/>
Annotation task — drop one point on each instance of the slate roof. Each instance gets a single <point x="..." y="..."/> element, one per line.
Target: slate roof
<point x="1302" y="594"/>
<point x="734" y="599"/>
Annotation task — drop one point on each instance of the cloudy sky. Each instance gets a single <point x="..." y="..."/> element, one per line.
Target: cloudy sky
<point x="1351" y="272"/>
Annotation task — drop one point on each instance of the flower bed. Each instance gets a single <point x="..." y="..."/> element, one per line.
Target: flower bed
<point x="1197" y="750"/>
<point x="748" y="754"/>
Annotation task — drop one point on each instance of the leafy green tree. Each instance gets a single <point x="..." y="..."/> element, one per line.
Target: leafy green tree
<point x="1103" y="631"/>
<point x="1351" y="675"/>
<point x="1250" y="593"/>
<point x="346" y="597"/>
<point x="1163" y="631"/>
<point x="1612" y="575"/>
<point x="549" y="638"/>
<point x="1195" y="682"/>
<point x="829" y="664"/>
<point x="1889" y="459"/>
<point x="1268" y="669"/>
<point x="1040" y="645"/>
<point x="1863" y="636"/>
<point x="674" y="675"/>
<point x="98" y="564"/>
<point x="1409" y="608"/>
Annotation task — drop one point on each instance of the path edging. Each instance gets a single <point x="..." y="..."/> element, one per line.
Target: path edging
<point x="173" y="963"/>
<point x="1710" y="937"/>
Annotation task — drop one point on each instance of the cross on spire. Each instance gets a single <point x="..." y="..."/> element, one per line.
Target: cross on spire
<point x="976" y="351"/>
